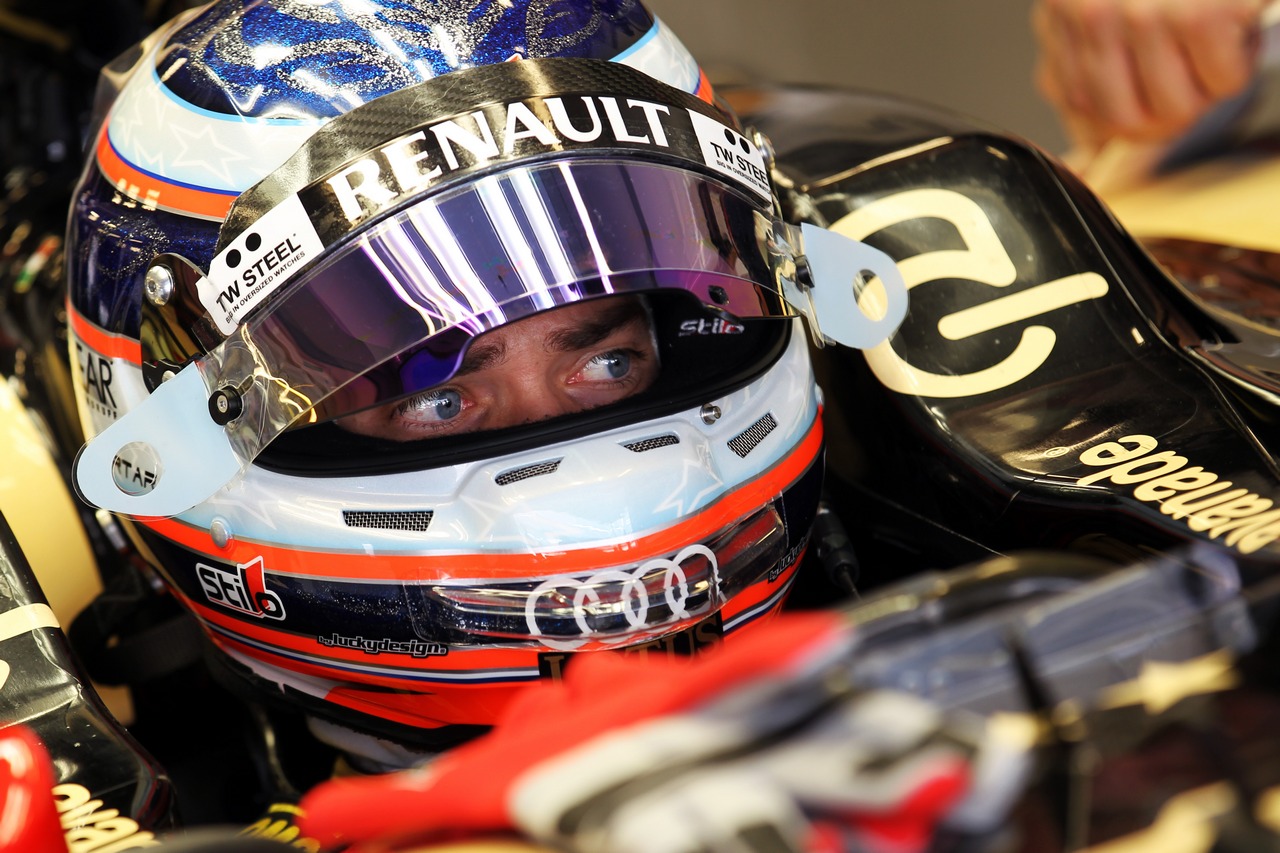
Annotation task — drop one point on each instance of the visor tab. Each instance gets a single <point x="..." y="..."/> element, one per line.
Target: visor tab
<point x="849" y="292"/>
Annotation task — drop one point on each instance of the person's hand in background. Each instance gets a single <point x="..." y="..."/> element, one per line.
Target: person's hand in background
<point x="1140" y="70"/>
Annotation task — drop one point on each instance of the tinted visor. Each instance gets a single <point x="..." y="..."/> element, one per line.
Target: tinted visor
<point x="392" y="311"/>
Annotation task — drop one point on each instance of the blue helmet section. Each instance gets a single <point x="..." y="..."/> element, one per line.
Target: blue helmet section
<point x="220" y="97"/>
<point x="113" y="241"/>
<point x="292" y="58"/>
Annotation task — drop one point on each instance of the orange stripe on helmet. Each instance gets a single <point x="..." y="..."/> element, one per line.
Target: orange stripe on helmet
<point x="470" y="666"/>
<point x="100" y="340"/>
<point x="705" y="90"/>
<point x="275" y="633"/>
<point x="154" y="192"/>
<point x="422" y="704"/>
<point x="414" y="567"/>
<point x="492" y="666"/>
<point x="403" y="708"/>
<point x="459" y="659"/>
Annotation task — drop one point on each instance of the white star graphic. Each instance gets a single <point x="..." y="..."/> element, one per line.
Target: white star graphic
<point x="139" y="114"/>
<point x="203" y="150"/>
<point x="680" y="499"/>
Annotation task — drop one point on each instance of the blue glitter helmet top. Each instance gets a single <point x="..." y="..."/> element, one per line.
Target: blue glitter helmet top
<point x="223" y="95"/>
<point x="319" y="58"/>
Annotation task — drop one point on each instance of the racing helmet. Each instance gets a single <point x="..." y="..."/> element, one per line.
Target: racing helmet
<point x="302" y="216"/>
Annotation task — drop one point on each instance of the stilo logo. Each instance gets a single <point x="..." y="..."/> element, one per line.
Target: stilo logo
<point x="243" y="589"/>
<point x="702" y="326"/>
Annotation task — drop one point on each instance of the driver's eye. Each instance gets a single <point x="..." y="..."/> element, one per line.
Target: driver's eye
<point x="436" y="406"/>
<point x="614" y="364"/>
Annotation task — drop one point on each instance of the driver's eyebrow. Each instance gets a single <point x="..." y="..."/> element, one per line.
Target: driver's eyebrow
<point x="610" y="319"/>
<point x="613" y="315"/>
<point x="480" y="355"/>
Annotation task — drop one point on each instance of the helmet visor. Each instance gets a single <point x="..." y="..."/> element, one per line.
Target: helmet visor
<point x="392" y="313"/>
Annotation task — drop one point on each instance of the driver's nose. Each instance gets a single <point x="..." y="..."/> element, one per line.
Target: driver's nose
<point x="528" y="393"/>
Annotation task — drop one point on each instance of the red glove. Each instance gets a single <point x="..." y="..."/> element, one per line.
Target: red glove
<point x="466" y="792"/>
<point x="29" y="821"/>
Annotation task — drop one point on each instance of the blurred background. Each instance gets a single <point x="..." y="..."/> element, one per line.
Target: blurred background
<point x="973" y="56"/>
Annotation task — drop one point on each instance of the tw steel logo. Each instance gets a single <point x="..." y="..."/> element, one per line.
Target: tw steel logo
<point x="985" y="260"/>
<point x="242" y="589"/>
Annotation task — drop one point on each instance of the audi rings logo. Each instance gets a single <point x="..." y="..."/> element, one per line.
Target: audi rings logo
<point x="615" y="602"/>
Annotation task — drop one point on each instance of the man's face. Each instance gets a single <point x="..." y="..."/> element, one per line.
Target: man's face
<point x="558" y="362"/>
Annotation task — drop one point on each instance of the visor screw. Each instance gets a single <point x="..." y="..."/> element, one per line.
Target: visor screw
<point x="710" y="413"/>
<point x="158" y="285"/>
<point x="718" y="295"/>
<point x="219" y="532"/>
<point x="225" y="405"/>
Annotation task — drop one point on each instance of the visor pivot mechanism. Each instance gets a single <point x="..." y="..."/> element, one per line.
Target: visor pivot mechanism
<point x="225" y="405"/>
<point x="803" y="274"/>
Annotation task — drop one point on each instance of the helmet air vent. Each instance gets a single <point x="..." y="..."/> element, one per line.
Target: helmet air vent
<point x="515" y="475"/>
<point x="409" y="520"/>
<point x="746" y="441"/>
<point x="652" y="443"/>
